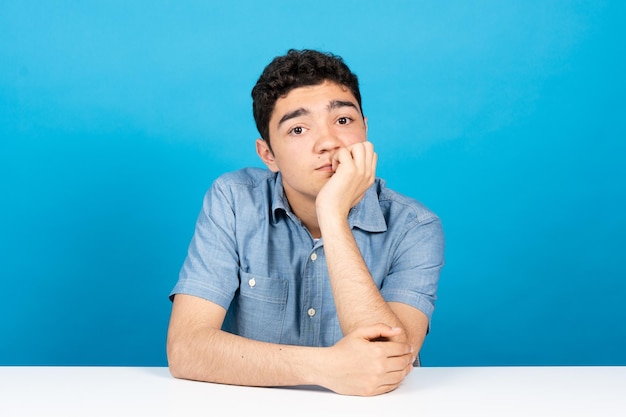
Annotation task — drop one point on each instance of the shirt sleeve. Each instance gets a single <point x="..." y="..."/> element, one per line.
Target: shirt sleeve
<point x="210" y="270"/>
<point x="414" y="274"/>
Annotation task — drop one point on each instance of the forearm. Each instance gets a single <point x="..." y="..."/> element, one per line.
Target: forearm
<point x="353" y="366"/>
<point x="216" y="356"/>
<point x="357" y="298"/>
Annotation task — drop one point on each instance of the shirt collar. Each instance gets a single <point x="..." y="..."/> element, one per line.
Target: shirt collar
<point x="366" y="215"/>
<point x="279" y="199"/>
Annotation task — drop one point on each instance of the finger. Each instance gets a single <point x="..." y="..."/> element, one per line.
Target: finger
<point x="398" y="363"/>
<point x="393" y="379"/>
<point x="369" y="146"/>
<point x="370" y="159"/>
<point x="340" y="157"/>
<point x="371" y="167"/>
<point x="359" y="156"/>
<point x="377" y="331"/>
<point x="374" y="162"/>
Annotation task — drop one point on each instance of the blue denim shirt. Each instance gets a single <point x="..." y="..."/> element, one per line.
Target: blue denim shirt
<point x="251" y="255"/>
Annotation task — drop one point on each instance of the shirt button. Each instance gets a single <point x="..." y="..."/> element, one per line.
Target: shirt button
<point x="313" y="256"/>
<point x="311" y="312"/>
<point x="252" y="282"/>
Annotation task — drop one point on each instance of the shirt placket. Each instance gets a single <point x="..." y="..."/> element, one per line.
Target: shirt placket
<point x="311" y="313"/>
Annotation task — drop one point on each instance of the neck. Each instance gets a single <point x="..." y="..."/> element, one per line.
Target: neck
<point x="308" y="217"/>
<point x="306" y="212"/>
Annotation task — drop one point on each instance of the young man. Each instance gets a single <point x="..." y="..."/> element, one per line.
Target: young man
<point x="311" y="272"/>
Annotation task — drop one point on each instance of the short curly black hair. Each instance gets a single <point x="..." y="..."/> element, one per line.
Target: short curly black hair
<point x="297" y="68"/>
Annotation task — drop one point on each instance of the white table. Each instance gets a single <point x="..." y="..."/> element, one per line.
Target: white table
<point x="479" y="391"/>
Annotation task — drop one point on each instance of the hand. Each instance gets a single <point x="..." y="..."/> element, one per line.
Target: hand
<point x="365" y="362"/>
<point x="355" y="172"/>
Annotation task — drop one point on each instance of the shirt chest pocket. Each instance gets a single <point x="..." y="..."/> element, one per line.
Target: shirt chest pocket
<point x="261" y="307"/>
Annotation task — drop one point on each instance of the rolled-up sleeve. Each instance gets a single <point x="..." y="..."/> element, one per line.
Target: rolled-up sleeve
<point x="416" y="265"/>
<point x="210" y="270"/>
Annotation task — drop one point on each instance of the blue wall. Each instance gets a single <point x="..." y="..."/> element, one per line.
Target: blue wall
<point x="506" y="118"/>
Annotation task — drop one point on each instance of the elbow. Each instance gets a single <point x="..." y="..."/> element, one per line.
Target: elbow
<point x="175" y="359"/>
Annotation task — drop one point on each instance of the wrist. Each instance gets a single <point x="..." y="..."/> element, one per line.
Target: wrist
<point x="330" y="222"/>
<point x="318" y="366"/>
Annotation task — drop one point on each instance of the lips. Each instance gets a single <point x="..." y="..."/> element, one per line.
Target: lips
<point x="325" y="167"/>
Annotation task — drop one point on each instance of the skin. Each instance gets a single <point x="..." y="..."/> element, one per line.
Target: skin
<point x="319" y="144"/>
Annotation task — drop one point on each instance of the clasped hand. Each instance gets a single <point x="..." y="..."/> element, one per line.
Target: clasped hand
<point x="367" y="362"/>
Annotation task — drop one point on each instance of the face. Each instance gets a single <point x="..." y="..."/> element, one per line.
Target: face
<point x="307" y="127"/>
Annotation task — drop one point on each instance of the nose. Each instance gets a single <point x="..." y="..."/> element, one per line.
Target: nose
<point x="327" y="140"/>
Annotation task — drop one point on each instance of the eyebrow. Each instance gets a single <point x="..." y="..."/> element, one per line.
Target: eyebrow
<point x="293" y="114"/>
<point x="334" y="104"/>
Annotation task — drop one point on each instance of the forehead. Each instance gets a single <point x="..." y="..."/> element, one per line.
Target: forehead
<point x="311" y="96"/>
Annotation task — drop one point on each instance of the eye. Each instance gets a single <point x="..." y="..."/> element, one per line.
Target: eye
<point x="298" y="130"/>
<point x="344" y="120"/>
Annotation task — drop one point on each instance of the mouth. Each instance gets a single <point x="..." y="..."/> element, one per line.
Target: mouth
<point x="325" y="168"/>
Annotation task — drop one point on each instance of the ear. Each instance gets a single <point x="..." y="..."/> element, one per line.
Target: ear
<point x="266" y="155"/>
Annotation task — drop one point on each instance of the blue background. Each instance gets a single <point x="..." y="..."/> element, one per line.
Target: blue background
<point x="507" y="118"/>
